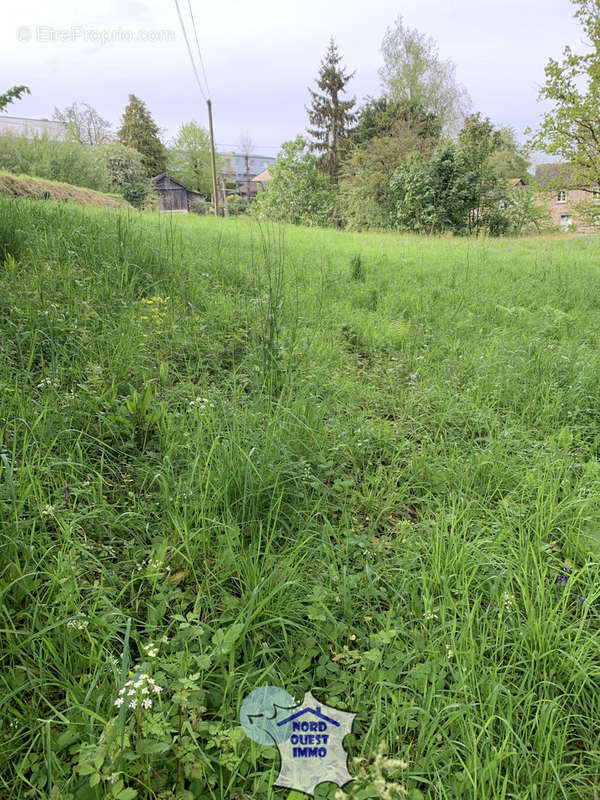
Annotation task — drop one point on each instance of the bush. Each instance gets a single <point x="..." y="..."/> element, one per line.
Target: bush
<point x="298" y="192"/>
<point x="236" y="205"/>
<point x="198" y="205"/>
<point x="126" y="172"/>
<point x="42" y="157"/>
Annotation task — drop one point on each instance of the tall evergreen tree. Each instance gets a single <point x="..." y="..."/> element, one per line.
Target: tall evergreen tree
<point x="330" y="116"/>
<point x="138" y="130"/>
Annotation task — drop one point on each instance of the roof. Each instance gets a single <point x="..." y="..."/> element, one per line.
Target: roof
<point x="515" y="181"/>
<point x="263" y="177"/>
<point x="162" y="175"/>
<point x="549" y="175"/>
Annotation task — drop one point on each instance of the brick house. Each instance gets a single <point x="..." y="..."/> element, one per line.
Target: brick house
<point x="564" y="199"/>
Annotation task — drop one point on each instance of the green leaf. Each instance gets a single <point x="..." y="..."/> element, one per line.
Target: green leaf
<point x="225" y="640"/>
<point x="86" y="769"/>
<point x="127" y="794"/>
<point x="373" y="655"/>
<point x="146" y="399"/>
<point x="203" y="661"/>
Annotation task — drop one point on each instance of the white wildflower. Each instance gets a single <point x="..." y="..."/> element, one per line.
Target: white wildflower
<point x="78" y="624"/>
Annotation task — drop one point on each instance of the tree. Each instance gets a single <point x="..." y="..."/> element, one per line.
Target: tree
<point x="12" y="94"/>
<point x="330" y="116"/>
<point x="525" y="213"/>
<point x="84" y="124"/>
<point x="413" y="73"/>
<point x="571" y="129"/>
<point x="298" y="192"/>
<point x="379" y="117"/>
<point x="438" y="196"/>
<point x="126" y="172"/>
<point x="510" y="161"/>
<point x="189" y="158"/>
<point x="365" y="176"/>
<point x="138" y="130"/>
<point x="493" y="153"/>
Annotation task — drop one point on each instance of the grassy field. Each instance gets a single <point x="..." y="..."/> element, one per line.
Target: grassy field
<point x="365" y="465"/>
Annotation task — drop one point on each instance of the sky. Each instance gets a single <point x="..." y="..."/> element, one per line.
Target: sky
<point x="262" y="57"/>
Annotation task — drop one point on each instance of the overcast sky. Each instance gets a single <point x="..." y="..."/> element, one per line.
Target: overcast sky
<point x="261" y="57"/>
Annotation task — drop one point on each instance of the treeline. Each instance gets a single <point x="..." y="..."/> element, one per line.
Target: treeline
<point x="412" y="159"/>
<point x="109" y="167"/>
<point x="94" y="156"/>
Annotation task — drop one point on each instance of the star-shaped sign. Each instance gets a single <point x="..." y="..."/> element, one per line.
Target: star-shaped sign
<point x="313" y="751"/>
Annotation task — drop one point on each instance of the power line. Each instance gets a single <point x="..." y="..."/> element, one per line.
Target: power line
<point x="215" y="194"/>
<point x="189" y="49"/>
<point x="198" y="47"/>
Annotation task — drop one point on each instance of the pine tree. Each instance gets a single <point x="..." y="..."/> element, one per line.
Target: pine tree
<point x="138" y="130"/>
<point x="330" y="116"/>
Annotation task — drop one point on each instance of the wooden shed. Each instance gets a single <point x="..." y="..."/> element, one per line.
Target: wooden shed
<point x="173" y="196"/>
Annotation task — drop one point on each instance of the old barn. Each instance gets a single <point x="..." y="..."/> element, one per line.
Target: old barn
<point x="174" y="196"/>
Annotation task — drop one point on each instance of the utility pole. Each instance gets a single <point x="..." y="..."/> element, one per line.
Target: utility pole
<point x="212" y="160"/>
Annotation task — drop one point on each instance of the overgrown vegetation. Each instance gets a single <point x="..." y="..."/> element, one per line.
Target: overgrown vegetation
<point x="233" y="455"/>
<point x="409" y="160"/>
<point x="108" y="167"/>
<point x="25" y="186"/>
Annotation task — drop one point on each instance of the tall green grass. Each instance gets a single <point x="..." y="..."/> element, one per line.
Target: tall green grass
<point x="365" y="465"/>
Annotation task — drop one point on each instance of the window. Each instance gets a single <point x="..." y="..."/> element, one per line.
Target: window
<point x="561" y="197"/>
<point x="565" y="221"/>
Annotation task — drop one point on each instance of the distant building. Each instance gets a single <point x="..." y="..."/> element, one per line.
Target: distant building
<point x="236" y="169"/>
<point x="32" y="128"/>
<point x="241" y="169"/>
<point x="262" y="179"/>
<point x="563" y="198"/>
<point x="173" y="196"/>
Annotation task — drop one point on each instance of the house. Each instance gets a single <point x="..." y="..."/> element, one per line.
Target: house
<point x="173" y="196"/>
<point x="32" y="128"/>
<point x="566" y="201"/>
<point x="262" y="179"/>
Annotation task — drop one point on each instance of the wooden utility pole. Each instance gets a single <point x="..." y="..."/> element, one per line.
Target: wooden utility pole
<point x="212" y="160"/>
